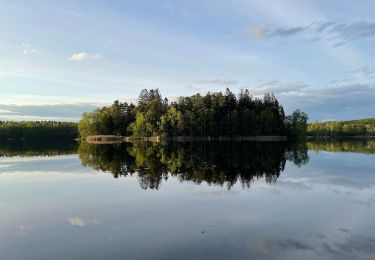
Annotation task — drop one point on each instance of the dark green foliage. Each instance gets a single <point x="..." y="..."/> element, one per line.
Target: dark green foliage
<point x="296" y="124"/>
<point x="364" y="127"/>
<point x="38" y="130"/>
<point x="110" y="120"/>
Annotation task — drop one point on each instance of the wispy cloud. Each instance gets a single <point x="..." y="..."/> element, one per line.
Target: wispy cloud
<point x="61" y="112"/>
<point x="337" y="32"/>
<point x="289" y="31"/>
<point x="85" y="56"/>
<point x="279" y="88"/>
<point x="216" y="82"/>
<point x="69" y="13"/>
<point x="192" y="88"/>
<point x="364" y="71"/>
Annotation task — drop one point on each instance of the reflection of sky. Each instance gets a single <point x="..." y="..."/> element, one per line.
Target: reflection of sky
<point x="39" y="164"/>
<point x="322" y="210"/>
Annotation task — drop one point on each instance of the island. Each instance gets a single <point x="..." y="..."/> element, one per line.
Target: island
<point x="213" y="116"/>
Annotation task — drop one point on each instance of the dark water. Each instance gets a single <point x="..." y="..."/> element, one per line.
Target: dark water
<point x="249" y="200"/>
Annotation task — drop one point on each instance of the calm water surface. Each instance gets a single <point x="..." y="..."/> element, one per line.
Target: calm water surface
<point x="187" y="201"/>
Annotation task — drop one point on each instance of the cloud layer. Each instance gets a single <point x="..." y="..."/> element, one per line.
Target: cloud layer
<point x="63" y="112"/>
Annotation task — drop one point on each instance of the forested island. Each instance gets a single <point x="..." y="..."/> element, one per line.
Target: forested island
<point x="212" y="115"/>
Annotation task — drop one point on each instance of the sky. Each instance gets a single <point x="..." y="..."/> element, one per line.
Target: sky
<point x="59" y="59"/>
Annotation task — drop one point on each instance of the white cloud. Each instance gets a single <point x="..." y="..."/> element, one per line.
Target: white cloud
<point x="85" y="56"/>
<point x="27" y="48"/>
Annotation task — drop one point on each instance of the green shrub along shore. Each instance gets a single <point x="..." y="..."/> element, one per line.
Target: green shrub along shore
<point x="212" y="115"/>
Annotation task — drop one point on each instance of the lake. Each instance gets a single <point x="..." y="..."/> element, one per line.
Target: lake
<point x="201" y="200"/>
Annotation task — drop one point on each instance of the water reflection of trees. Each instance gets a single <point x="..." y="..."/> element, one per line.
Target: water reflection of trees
<point x="216" y="163"/>
<point x="342" y="145"/>
<point x="10" y="148"/>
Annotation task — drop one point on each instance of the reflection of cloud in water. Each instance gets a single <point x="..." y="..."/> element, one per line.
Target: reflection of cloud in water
<point x="369" y="202"/>
<point x="358" y="244"/>
<point x="346" y="181"/>
<point x="343" y="244"/>
<point x="23" y="230"/>
<point x="76" y="221"/>
<point x="44" y="175"/>
<point x="217" y="193"/>
<point x="342" y="172"/>
<point x="291" y="244"/>
<point x="292" y="184"/>
<point x="20" y="159"/>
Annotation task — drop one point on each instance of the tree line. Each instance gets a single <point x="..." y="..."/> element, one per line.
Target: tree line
<point x="38" y="130"/>
<point x="364" y="127"/>
<point x="210" y="115"/>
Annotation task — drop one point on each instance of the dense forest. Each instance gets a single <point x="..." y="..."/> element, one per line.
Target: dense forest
<point x="38" y="130"/>
<point x="210" y="115"/>
<point x="364" y="127"/>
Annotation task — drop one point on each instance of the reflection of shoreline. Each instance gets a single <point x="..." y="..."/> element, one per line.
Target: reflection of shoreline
<point x="341" y="137"/>
<point x="366" y="146"/>
<point x="261" y="138"/>
<point x="32" y="148"/>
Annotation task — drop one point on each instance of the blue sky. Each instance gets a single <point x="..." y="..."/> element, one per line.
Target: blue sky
<point x="61" y="58"/>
